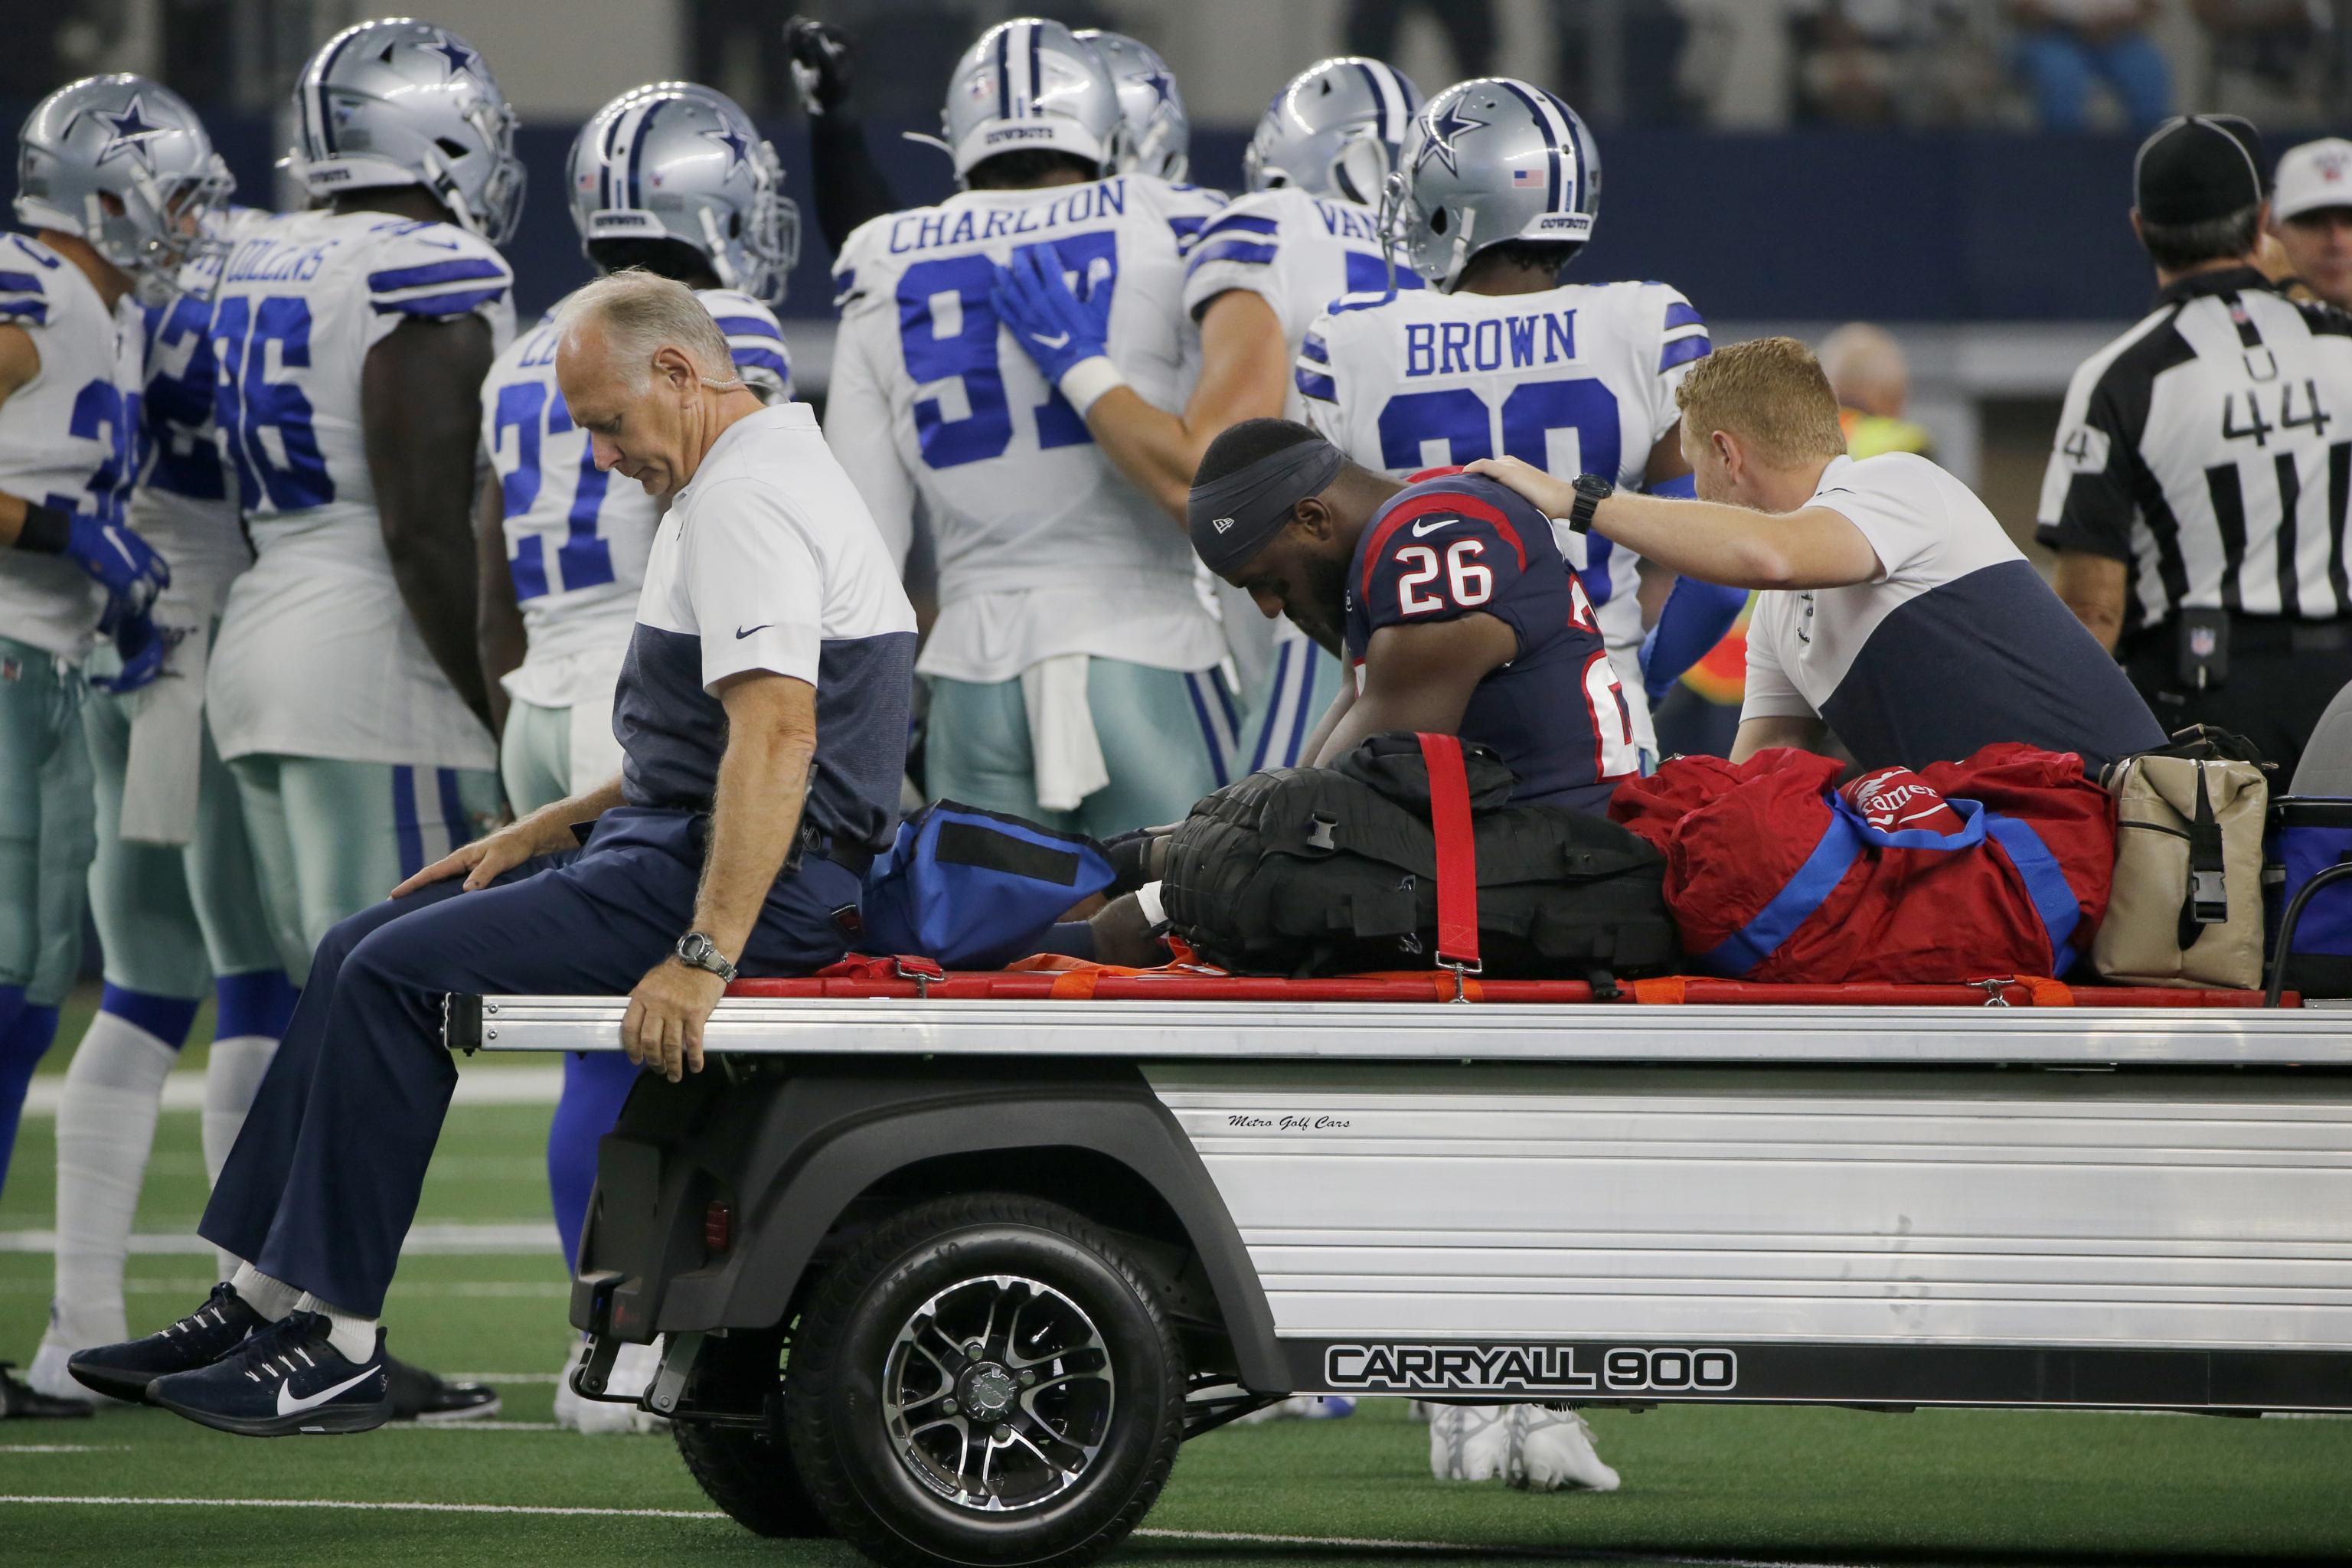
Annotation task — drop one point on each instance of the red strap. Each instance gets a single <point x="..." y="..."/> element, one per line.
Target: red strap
<point x="1457" y="852"/>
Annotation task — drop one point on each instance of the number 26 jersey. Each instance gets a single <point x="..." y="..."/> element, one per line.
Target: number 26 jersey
<point x="317" y="655"/>
<point x="1463" y="545"/>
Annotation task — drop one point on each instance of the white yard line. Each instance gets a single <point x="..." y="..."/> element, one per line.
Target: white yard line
<point x="477" y="1086"/>
<point x="423" y="1240"/>
<point x="1664" y="1559"/>
<point x="65" y="1448"/>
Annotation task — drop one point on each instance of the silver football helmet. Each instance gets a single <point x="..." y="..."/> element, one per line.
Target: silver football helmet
<point x="1485" y="161"/>
<point x="1030" y="83"/>
<point x="401" y="102"/>
<point x="672" y="160"/>
<point x="1334" y="130"/>
<point x="139" y="142"/>
<point x="1159" y="131"/>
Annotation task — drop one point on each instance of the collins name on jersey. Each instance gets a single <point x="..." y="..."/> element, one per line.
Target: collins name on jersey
<point x="1574" y="380"/>
<point x="317" y="655"/>
<point x="68" y="438"/>
<point x="577" y="536"/>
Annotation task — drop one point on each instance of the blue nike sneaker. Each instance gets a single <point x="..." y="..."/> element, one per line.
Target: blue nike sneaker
<point x="123" y="1371"/>
<point x="289" y="1378"/>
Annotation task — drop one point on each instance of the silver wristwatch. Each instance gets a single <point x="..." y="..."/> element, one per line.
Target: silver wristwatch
<point x="697" y="951"/>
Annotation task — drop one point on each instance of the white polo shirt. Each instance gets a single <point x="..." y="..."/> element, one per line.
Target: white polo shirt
<point x="768" y="560"/>
<point x="1954" y="643"/>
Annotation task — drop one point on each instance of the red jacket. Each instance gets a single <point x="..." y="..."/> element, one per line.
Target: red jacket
<point x="1997" y="865"/>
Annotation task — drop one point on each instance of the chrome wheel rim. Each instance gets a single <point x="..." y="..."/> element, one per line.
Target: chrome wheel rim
<point x="998" y="1393"/>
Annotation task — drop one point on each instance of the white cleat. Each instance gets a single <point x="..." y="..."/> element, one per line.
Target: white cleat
<point x="1551" y="1450"/>
<point x="633" y="1373"/>
<point x="1469" y="1442"/>
<point x="47" y="1377"/>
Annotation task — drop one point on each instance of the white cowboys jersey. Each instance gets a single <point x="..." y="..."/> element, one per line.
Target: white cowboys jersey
<point x="1043" y="547"/>
<point x="578" y="536"/>
<point x="2210" y="448"/>
<point x="317" y="655"/>
<point x="185" y="502"/>
<point x="1573" y="380"/>
<point x="1301" y="253"/>
<point x="68" y="438"/>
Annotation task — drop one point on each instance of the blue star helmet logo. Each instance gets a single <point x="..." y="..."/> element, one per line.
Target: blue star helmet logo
<point x="1443" y="128"/>
<point x="1163" y="85"/>
<point x="129" y="133"/>
<point x="739" y="151"/>
<point x="461" y="58"/>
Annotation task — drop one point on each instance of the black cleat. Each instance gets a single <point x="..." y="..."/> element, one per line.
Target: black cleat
<point x="419" y="1396"/>
<point x="287" y="1379"/>
<point x="123" y="1371"/>
<point x="19" y="1403"/>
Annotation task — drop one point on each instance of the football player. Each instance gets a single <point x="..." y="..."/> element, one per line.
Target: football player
<point x="1159" y="140"/>
<point x="673" y="179"/>
<point x="1498" y="189"/>
<point x="1074" y="666"/>
<point x="173" y="892"/>
<point x="116" y="179"/>
<point x="346" y="691"/>
<point x="1261" y="272"/>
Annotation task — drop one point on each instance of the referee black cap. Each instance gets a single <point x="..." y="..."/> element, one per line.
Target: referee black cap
<point x="2196" y="167"/>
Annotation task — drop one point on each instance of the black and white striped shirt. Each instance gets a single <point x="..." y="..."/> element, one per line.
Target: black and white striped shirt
<point x="2210" y="448"/>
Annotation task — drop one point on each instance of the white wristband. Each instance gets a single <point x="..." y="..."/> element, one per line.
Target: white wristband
<point x="1155" y="913"/>
<point x="1084" y="382"/>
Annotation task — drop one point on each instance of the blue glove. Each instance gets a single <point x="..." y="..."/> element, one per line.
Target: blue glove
<point x="121" y="563"/>
<point x="1056" y="327"/>
<point x="1692" y="620"/>
<point x="145" y="646"/>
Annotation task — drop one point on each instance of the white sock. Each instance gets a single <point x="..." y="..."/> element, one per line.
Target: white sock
<point x="106" y="1129"/>
<point x="232" y="1077"/>
<point x="352" y="1336"/>
<point x="273" y="1298"/>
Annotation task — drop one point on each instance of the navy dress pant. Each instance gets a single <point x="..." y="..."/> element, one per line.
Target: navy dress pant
<point x="323" y="1182"/>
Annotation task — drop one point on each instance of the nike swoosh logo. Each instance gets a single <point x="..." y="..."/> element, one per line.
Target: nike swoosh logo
<point x="1061" y="342"/>
<point x="742" y="632"/>
<point x="287" y="1405"/>
<point x="1421" y="528"/>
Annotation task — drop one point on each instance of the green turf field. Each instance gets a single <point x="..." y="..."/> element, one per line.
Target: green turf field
<point x="1701" y="1484"/>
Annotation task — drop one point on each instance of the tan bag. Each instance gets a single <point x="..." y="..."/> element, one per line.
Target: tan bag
<point x="2187" y="908"/>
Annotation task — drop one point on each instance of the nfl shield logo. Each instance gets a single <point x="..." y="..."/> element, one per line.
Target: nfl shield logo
<point x="2203" y="642"/>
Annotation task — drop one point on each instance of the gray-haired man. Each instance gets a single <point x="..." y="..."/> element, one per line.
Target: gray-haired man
<point x="762" y="719"/>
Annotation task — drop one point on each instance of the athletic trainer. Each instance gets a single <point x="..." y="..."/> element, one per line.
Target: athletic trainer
<point x="1897" y="614"/>
<point x="762" y="719"/>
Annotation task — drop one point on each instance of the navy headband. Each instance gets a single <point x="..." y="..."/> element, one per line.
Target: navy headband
<point x="1232" y="519"/>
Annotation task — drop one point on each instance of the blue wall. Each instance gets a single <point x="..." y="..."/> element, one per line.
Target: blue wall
<point x="1820" y="225"/>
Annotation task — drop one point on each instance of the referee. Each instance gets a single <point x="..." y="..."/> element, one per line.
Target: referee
<point x="2197" y="494"/>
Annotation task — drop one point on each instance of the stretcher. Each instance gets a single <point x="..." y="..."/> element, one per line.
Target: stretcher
<point x="2006" y="1192"/>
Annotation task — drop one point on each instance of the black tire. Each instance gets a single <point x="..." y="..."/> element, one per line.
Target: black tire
<point x="748" y="1472"/>
<point x="1100" y="1388"/>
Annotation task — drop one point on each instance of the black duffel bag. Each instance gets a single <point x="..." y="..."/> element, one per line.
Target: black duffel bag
<point x="1307" y="871"/>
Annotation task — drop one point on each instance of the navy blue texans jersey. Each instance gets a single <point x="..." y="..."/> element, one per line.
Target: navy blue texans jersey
<point x="1463" y="545"/>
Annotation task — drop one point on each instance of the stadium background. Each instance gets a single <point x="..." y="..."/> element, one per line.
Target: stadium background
<point x="1789" y="165"/>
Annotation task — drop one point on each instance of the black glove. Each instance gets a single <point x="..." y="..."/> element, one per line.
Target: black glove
<point x="822" y="56"/>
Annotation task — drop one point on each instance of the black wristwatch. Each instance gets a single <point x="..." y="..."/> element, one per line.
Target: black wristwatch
<point x="1592" y="489"/>
<point x="697" y="951"/>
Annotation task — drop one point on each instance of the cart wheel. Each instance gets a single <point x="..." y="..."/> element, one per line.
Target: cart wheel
<point x="748" y="1472"/>
<point x="985" y="1380"/>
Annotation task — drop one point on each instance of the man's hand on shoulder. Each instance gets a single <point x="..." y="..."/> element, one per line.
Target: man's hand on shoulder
<point x="662" y="1030"/>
